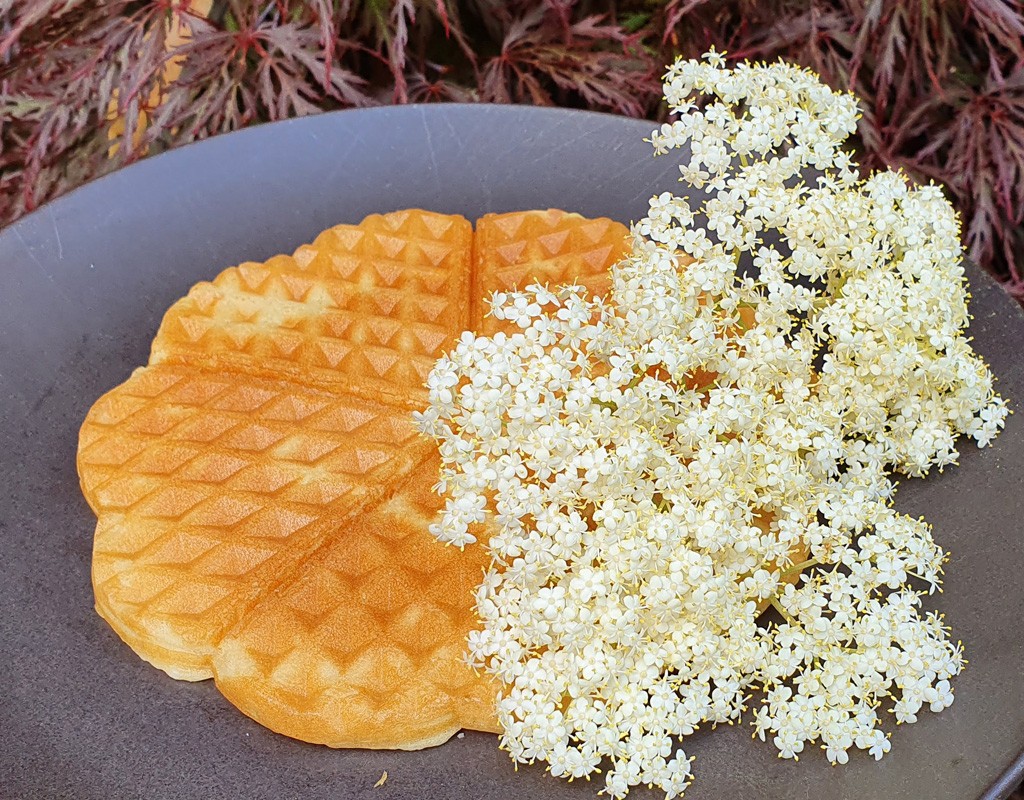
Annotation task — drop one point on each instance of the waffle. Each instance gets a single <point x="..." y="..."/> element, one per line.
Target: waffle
<point x="263" y="498"/>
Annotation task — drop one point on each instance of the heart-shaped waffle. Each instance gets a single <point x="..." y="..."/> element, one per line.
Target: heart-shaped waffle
<point x="263" y="498"/>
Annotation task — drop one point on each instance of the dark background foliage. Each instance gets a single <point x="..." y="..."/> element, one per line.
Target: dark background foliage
<point x="86" y="87"/>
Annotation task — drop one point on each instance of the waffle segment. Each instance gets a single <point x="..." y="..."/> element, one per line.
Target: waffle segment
<point x="363" y="646"/>
<point x="368" y="307"/>
<point x="203" y="504"/>
<point x="549" y="247"/>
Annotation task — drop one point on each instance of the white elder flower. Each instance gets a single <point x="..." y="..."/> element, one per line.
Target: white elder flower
<point x="652" y="471"/>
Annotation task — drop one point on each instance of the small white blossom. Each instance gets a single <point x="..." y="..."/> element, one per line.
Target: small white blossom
<point x="652" y="471"/>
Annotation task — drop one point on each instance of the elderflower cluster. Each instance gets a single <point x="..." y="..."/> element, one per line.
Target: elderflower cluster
<point x="715" y="438"/>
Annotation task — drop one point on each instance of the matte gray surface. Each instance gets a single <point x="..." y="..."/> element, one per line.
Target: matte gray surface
<point x="83" y="285"/>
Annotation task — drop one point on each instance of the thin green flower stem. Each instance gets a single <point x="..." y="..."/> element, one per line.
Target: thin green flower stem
<point x="796" y="568"/>
<point x="785" y="614"/>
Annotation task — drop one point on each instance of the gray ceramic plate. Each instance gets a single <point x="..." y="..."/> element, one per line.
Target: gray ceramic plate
<point x="83" y="284"/>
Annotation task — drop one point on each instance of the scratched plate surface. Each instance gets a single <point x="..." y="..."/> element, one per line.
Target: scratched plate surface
<point x="83" y="284"/>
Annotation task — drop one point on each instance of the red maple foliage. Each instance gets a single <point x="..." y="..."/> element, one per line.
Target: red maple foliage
<point x="941" y="83"/>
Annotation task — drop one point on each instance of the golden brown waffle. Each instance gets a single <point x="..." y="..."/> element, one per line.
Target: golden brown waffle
<point x="263" y="498"/>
